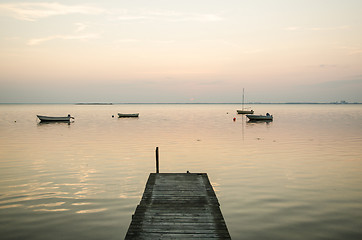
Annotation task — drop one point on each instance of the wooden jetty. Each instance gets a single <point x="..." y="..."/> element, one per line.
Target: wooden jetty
<point x="178" y="206"/>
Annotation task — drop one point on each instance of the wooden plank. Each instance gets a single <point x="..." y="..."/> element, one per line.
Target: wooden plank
<point x="178" y="206"/>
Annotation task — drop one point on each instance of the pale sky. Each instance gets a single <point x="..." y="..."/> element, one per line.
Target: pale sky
<point x="180" y="51"/>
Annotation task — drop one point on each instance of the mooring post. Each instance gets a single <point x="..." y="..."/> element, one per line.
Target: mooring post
<point x="157" y="166"/>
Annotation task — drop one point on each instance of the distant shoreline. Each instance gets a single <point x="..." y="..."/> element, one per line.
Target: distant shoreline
<point x="253" y="103"/>
<point x="93" y="103"/>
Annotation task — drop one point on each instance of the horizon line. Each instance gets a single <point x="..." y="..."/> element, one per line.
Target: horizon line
<point x="112" y="103"/>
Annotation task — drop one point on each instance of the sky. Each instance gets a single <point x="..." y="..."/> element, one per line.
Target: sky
<point x="189" y="51"/>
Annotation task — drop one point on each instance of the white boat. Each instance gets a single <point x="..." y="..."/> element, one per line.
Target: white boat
<point x="243" y="110"/>
<point x="128" y="115"/>
<point x="55" y="119"/>
<point x="266" y="117"/>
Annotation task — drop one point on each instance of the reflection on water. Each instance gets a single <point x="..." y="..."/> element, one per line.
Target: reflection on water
<point x="298" y="176"/>
<point x="42" y="123"/>
<point x="91" y="210"/>
<point x="260" y="121"/>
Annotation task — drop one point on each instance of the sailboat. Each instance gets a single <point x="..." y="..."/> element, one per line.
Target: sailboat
<point x="243" y="110"/>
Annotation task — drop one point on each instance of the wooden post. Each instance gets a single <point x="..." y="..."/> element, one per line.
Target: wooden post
<point x="157" y="166"/>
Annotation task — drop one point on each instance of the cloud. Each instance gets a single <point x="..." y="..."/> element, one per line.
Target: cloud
<point x="182" y="17"/>
<point x="37" y="41"/>
<point x="327" y="28"/>
<point x="343" y="82"/>
<point x="171" y="16"/>
<point x="356" y="51"/>
<point x="296" y="28"/>
<point x="339" y="83"/>
<point x="126" y="40"/>
<point x="350" y="50"/>
<point x="327" y="66"/>
<point x="80" y="27"/>
<point x="291" y="28"/>
<point x="254" y="51"/>
<point x="33" y="11"/>
<point x="125" y="15"/>
<point x="353" y="50"/>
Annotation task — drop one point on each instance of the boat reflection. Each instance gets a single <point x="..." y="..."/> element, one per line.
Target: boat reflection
<point x="42" y="123"/>
<point x="259" y="121"/>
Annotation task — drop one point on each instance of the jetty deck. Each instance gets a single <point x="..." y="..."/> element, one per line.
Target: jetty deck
<point x="178" y="206"/>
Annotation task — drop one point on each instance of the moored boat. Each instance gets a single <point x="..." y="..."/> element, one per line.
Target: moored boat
<point x="254" y="117"/>
<point x="128" y="115"/>
<point x="54" y="119"/>
<point x="243" y="110"/>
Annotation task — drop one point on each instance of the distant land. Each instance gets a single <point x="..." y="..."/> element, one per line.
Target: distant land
<point x="340" y="102"/>
<point x="95" y="103"/>
<point x="239" y="103"/>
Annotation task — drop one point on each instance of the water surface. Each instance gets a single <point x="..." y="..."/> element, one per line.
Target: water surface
<point x="298" y="177"/>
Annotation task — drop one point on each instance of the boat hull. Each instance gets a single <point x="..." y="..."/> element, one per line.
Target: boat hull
<point x="126" y="115"/>
<point x="245" y="111"/>
<point x="54" y="119"/>
<point x="260" y="117"/>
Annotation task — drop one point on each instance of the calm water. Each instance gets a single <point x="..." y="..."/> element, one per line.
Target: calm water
<point x="299" y="177"/>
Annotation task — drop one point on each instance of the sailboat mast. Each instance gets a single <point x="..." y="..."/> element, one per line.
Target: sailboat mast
<point x="243" y="100"/>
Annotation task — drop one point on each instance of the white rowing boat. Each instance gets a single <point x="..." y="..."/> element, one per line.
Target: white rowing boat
<point x="245" y="111"/>
<point x="55" y="119"/>
<point x="123" y="115"/>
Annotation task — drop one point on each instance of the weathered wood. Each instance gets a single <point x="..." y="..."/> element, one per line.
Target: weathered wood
<point x="178" y="206"/>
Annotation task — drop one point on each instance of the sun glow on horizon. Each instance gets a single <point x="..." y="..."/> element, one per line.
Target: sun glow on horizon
<point x="220" y="46"/>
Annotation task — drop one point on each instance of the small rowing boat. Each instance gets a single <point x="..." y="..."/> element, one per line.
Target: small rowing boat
<point x="266" y="117"/>
<point x="54" y="119"/>
<point x="125" y="115"/>
<point x="243" y="111"/>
